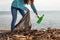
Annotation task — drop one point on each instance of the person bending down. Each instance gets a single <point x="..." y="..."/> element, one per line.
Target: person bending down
<point x="19" y="5"/>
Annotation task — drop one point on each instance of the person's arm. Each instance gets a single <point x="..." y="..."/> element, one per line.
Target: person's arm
<point x="34" y="9"/>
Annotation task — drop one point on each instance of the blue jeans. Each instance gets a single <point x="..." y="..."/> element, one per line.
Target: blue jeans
<point x="14" y="16"/>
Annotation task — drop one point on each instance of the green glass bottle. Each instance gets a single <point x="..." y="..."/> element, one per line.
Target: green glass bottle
<point x="40" y="19"/>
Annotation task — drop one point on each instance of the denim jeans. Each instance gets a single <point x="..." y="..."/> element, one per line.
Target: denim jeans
<point x="14" y="16"/>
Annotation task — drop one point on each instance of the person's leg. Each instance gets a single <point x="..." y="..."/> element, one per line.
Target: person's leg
<point x="14" y="17"/>
<point x="22" y="12"/>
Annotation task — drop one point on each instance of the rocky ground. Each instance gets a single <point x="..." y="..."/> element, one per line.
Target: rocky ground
<point x="49" y="34"/>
